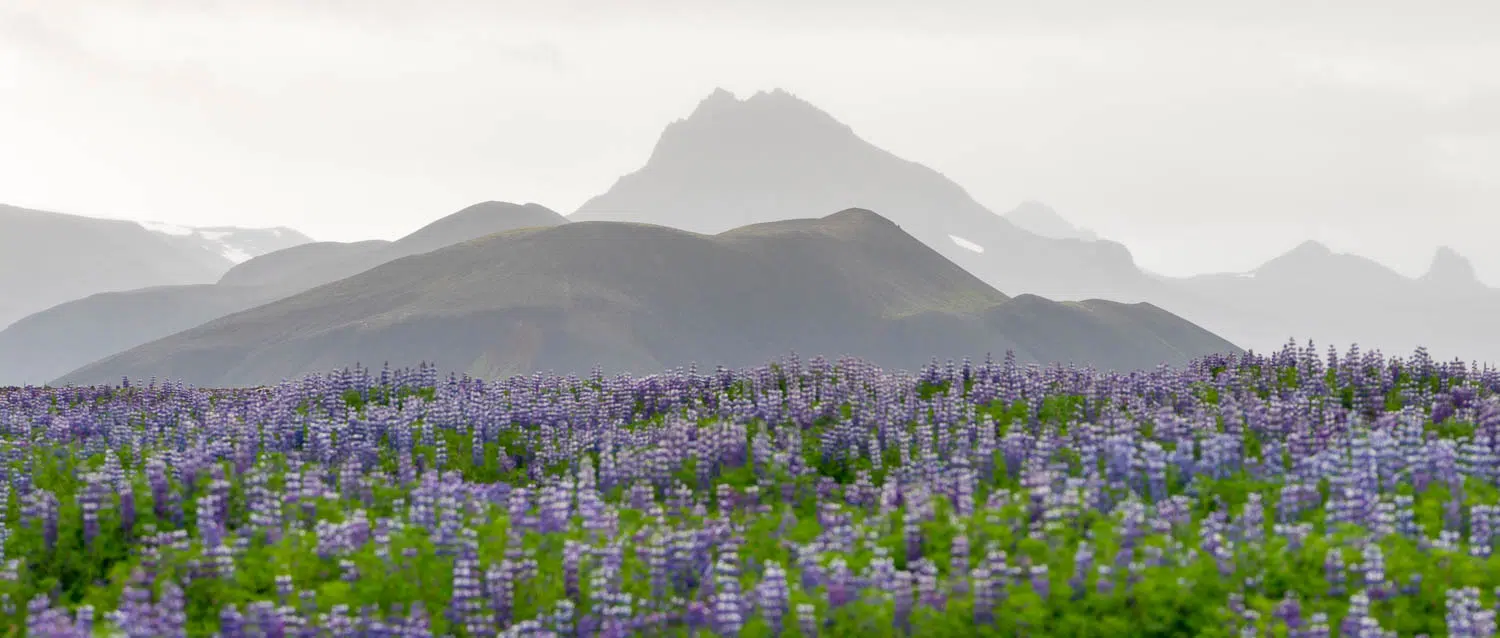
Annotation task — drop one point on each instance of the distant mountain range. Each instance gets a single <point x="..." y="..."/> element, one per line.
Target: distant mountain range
<point x="732" y="166"/>
<point x="1311" y="292"/>
<point x="49" y="258"/>
<point x="772" y="156"/>
<point x="47" y="344"/>
<point x="640" y="298"/>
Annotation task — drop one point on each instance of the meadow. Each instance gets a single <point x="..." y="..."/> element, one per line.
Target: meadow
<point x="1296" y="494"/>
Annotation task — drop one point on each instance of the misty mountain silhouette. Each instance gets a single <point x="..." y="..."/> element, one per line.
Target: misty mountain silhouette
<point x="1312" y="264"/>
<point x="48" y="258"/>
<point x="49" y="343"/>
<point x="773" y="156"/>
<point x="1041" y="219"/>
<point x="1452" y="271"/>
<point x="1313" y="292"/>
<point x="640" y="298"/>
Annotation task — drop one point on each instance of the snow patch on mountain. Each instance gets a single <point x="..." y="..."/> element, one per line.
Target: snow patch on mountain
<point x="234" y="245"/>
<point x="236" y="255"/>
<point x="167" y="229"/>
<point x="966" y="244"/>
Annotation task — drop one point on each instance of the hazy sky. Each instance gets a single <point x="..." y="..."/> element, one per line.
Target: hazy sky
<point x="1204" y="137"/>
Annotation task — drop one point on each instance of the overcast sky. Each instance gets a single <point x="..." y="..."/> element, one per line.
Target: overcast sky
<point x="1206" y="136"/>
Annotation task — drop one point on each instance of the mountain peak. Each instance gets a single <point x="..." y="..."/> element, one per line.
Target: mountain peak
<point x="1306" y="257"/>
<point x="488" y="206"/>
<point x="493" y="209"/>
<point x="1041" y="219"/>
<point x="1313" y="263"/>
<point x="1032" y="205"/>
<point x="723" y="99"/>
<point x="863" y="217"/>
<point x="474" y="221"/>
<point x="1450" y="268"/>
<point x="763" y="119"/>
<point x="719" y="99"/>
<point x="776" y="96"/>
<point x="860" y="214"/>
<point x="773" y="156"/>
<point x="740" y="161"/>
<point x="1311" y="247"/>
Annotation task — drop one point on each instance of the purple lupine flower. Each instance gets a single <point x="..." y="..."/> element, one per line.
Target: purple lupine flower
<point x="773" y="596"/>
<point x="958" y="569"/>
<point x="90" y="502"/>
<point x="729" y="608"/>
<point x="1083" y="563"/>
<point x="807" y="619"/>
<point x="1465" y="617"/>
<point x="499" y="585"/>
<point x="1041" y="581"/>
<point x="1373" y="566"/>
<point x="1333" y="571"/>
<point x="572" y="564"/>
<point x="1289" y="612"/>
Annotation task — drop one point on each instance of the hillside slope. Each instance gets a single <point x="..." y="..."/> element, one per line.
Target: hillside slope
<point x="49" y="343"/>
<point x="49" y="258"/>
<point x="639" y="298"/>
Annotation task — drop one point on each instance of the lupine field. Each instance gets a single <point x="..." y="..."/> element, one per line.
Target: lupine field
<point x="1296" y="494"/>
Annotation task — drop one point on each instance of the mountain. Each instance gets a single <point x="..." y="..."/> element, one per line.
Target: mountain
<point x="235" y="245"/>
<point x="297" y="262"/>
<point x="48" y="258"/>
<point x="484" y="218"/>
<point x="638" y="298"/>
<point x="1313" y="292"/>
<point x="773" y="156"/>
<point x="1452" y="271"/>
<point x="49" y="343"/>
<point x="1041" y="219"/>
<point x="1313" y="265"/>
<point x="318" y="264"/>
